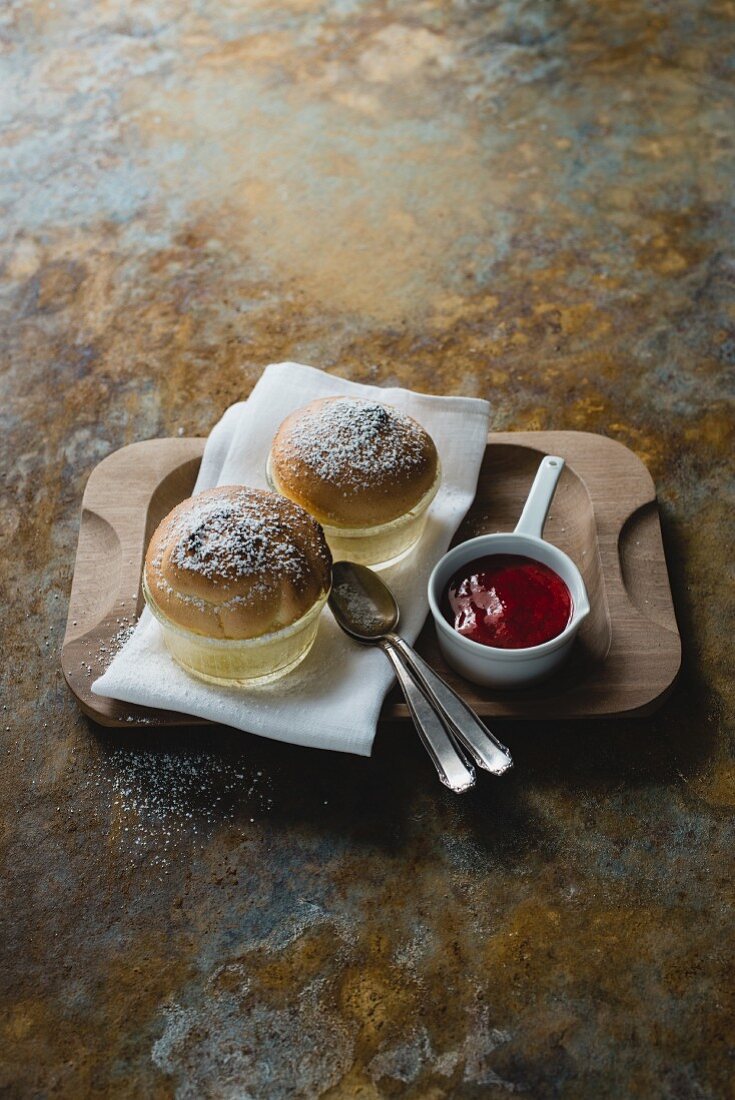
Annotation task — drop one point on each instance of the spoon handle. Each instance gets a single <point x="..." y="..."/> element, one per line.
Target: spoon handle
<point x="453" y="770"/>
<point x="472" y="734"/>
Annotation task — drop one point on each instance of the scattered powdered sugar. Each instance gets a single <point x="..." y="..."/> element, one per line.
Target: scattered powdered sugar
<point x="356" y="443"/>
<point x="100" y="658"/>
<point x="360" y="608"/>
<point x="163" y="799"/>
<point x="120" y="638"/>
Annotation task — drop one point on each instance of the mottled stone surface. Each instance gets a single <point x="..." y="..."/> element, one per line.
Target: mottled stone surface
<point x="523" y="200"/>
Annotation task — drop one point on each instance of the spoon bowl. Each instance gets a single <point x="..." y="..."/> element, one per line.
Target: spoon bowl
<point x="362" y="604"/>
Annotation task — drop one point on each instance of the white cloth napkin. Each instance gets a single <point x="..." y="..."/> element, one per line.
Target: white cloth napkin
<point x="333" y="699"/>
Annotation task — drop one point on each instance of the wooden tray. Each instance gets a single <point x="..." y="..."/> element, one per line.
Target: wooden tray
<point x="604" y="515"/>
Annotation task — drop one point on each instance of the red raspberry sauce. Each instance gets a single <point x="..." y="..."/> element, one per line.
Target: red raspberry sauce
<point x="507" y="601"/>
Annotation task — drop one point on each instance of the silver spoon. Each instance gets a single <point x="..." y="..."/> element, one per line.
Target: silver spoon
<point x="368" y="616"/>
<point x="366" y="609"/>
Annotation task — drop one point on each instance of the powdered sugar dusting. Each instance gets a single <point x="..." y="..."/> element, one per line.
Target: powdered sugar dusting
<point x="100" y="658"/>
<point x="223" y="539"/>
<point x="359" y="608"/>
<point x="356" y="443"/>
<point x="243" y="535"/>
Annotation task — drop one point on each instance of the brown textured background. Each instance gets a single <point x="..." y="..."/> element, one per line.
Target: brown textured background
<point x="525" y="201"/>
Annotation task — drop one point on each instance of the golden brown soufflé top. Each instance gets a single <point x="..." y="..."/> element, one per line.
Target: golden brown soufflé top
<point x="353" y="463"/>
<point x="235" y="562"/>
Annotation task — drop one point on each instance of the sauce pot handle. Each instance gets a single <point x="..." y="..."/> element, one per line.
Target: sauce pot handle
<point x="538" y="502"/>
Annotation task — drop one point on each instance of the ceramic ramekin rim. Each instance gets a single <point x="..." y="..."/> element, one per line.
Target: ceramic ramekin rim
<point x="491" y="654"/>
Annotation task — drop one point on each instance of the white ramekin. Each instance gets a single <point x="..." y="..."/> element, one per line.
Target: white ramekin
<point x="508" y="668"/>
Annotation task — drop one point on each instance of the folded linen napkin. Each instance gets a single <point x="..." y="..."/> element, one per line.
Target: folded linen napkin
<point x="333" y="699"/>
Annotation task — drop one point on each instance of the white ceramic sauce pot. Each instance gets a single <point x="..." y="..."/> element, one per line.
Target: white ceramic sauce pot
<point x="508" y="668"/>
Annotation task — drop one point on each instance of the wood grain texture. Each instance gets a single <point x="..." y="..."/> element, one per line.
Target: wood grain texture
<point x="604" y="516"/>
